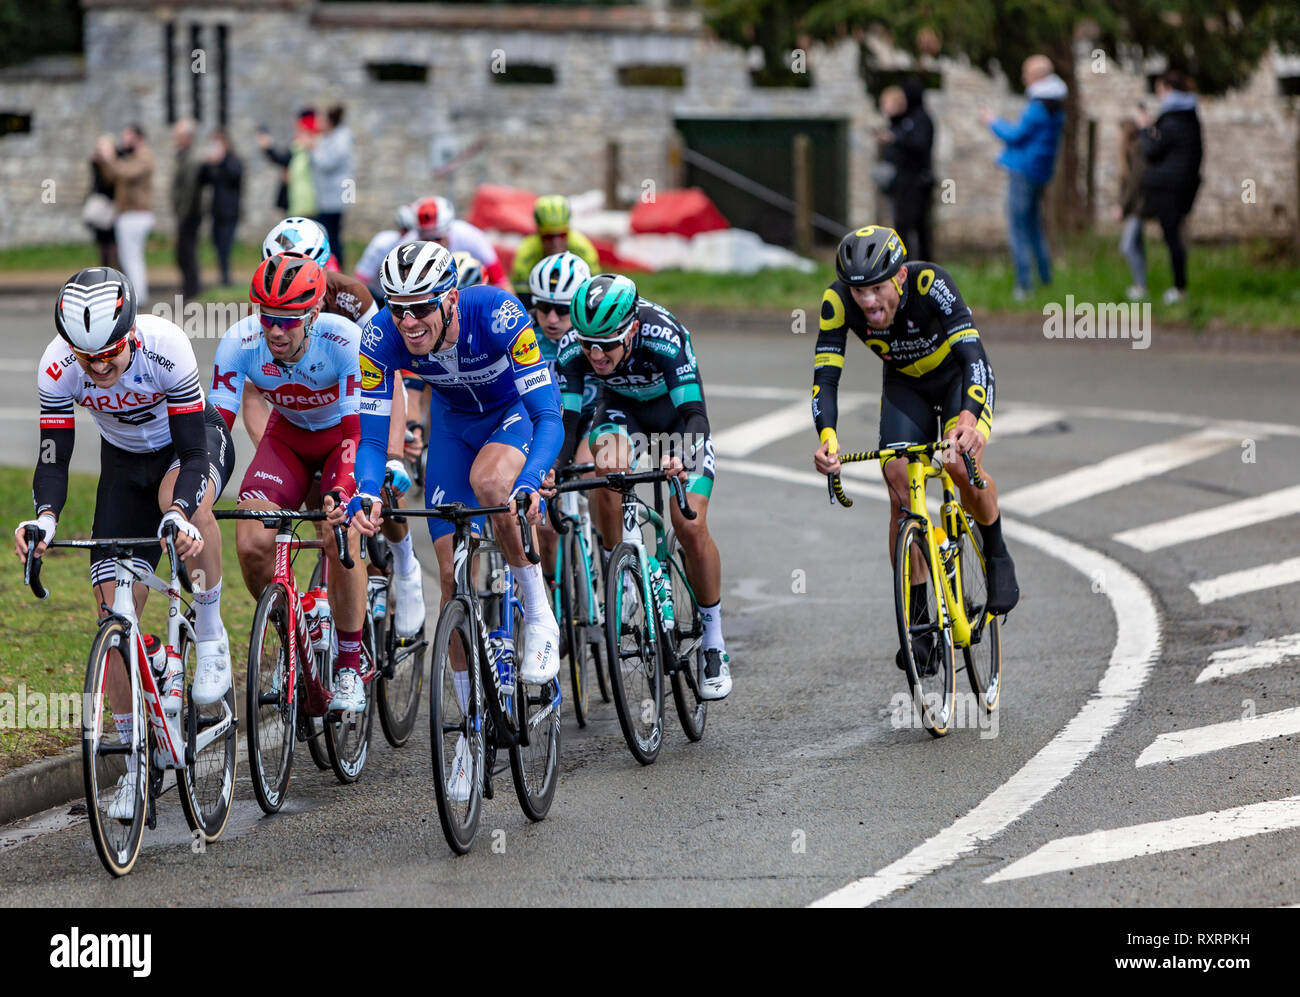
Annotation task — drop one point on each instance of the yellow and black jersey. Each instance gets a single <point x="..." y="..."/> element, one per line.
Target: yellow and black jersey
<point x="933" y="335"/>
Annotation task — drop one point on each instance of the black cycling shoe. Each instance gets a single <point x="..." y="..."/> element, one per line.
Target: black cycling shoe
<point x="922" y="647"/>
<point x="1004" y="593"/>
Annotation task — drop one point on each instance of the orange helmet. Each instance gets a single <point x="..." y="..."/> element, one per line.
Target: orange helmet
<point x="288" y="282"/>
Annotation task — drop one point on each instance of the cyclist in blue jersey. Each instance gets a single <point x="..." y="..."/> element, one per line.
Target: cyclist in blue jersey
<point x="495" y="425"/>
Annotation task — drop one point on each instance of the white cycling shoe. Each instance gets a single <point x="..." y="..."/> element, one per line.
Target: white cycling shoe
<point x="212" y="675"/>
<point x="541" y="658"/>
<point x="458" y="786"/>
<point x="715" y="682"/>
<point x="349" y="692"/>
<point x="123" y="805"/>
<point x="408" y="616"/>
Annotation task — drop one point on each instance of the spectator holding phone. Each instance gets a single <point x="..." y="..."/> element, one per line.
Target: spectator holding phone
<point x="1171" y="145"/>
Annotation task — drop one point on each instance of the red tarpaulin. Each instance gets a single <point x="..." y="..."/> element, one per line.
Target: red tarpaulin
<point x="679" y="212"/>
<point x="506" y="209"/>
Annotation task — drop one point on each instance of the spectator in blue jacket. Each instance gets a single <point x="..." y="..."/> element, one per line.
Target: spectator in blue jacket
<point x="1029" y="158"/>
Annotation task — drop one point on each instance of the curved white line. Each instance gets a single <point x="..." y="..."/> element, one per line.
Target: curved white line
<point x="1137" y="643"/>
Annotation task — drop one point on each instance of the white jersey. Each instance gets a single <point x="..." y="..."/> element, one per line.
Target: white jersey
<point x="467" y="238"/>
<point x="372" y="256"/>
<point x="161" y="381"/>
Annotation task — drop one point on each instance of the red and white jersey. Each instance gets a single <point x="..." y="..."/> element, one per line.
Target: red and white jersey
<point x="161" y="380"/>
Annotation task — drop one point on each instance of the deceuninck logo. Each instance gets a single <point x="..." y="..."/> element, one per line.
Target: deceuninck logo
<point x="100" y="951"/>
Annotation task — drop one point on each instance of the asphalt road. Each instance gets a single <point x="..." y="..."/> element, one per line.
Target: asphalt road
<point x="806" y="788"/>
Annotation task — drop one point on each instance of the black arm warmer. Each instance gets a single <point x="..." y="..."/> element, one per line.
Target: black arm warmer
<point x="50" y="482"/>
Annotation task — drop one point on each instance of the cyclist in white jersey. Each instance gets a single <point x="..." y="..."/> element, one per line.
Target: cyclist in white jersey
<point x="165" y="453"/>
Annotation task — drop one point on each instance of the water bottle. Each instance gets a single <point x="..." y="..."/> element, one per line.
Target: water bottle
<point x="663" y="591"/>
<point x="378" y="596"/>
<point x="173" y="684"/>
<point x="157" y="655"/>
<point x="312" y="616"/>
<point x="321" y="636"/>
<point x="502" y="650"/>
<point x="947" y="551"/>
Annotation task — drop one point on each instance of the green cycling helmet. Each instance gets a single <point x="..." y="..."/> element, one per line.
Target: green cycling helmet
<point x="603" y="306"/>
<point x="551" y="213"/>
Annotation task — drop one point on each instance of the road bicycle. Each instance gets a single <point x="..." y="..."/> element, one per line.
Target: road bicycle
<point x="468" y="728"/>
<point x="950" y="615"/>
<point x="290" y="675"/>
<point x="198" y="742"/>
<point x="579" y="592"/>
<point x="652" y="619"/>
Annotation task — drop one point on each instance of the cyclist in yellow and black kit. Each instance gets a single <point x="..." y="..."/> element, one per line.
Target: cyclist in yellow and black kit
<point x="936" y="375"/>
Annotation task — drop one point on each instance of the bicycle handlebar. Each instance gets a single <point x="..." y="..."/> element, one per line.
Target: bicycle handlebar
<point x="835" y="487"/>
<point x="456" y="512"/>
<point x="623" y="481"/>
<point x="271" y="517"/>
<point x="32" y="567"/>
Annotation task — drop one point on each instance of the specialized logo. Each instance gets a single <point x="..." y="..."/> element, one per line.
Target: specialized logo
<point x="511" y="419"/>
<point x="525" y="349"/>
<point x="371" y="376"/>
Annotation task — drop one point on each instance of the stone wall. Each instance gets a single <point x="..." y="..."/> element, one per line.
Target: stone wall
<point x="283" y="54"/>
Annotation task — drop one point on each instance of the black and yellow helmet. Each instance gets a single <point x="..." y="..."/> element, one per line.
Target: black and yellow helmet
<point x="603" y="306"/>
<point x="869" y="255"/>
<point x="551" y="213"/>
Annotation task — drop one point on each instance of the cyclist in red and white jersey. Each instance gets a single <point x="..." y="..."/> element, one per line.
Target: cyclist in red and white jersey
<point x="164" y="454"/>
<point x="436" y="221"/>
<point x="307" y="365"/>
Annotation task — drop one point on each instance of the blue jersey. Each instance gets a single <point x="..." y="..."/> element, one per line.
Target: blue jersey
<point x="495" y="363"/>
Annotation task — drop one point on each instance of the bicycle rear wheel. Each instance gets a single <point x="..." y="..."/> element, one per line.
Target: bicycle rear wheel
<point x="983" y="655"/>
<point x="573" y="623"/>
<point x="207" y="783"/>
<point x="449" y="722"/>
<point x="399" y="696"/>
<point x="271" y="713"/>
<point x="347" y="735"/>
<point x="927" y="647"/>
<point x="686" y="644"/>
<point x="116" y="841"/>
<point x="635" y="673"/>
<point x="595" y="613"/>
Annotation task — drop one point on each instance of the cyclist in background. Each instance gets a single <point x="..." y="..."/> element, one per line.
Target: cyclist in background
<point x="937" y="375"/>
<point x="551" y="213"/>
<point x="436" y="221"/>
<point x="164" y="454"/>
<point x="383" y="243"/>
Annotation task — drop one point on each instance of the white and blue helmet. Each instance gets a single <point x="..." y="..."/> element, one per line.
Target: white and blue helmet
<point x="418" y="268"/>
<point x="555" y="278"/>
<point x="298" y="235"/>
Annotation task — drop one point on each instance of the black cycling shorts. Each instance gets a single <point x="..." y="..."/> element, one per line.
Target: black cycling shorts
<point x="126" y="502"/>
<point x="647" y="423"/>
<point x="920" y="410"/>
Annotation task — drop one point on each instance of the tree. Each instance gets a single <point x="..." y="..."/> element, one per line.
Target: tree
<point x="38" y="27"/>
<point x="1218" y="44"/>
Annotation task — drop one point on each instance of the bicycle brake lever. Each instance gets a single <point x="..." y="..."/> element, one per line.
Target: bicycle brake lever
<point x="32" y="569"/>
<point x="526" y="531"/>
<point x="679" y="493"/>
<point x="345" y="555"/>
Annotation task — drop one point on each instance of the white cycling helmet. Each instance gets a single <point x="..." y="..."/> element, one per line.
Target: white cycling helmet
<point x="298" y="235"/>
<point x="469" y="271"/>
<point x="418" y="268"/>
<point x="433" y="216"/>
<point x="556" y="277"/>
<point x="405" y="217"/>
<point x="96" y="309"/>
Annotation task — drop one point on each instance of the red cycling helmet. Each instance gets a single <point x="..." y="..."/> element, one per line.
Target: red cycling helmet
<point x="434" y="215"/>
<point x="288" y="282"/>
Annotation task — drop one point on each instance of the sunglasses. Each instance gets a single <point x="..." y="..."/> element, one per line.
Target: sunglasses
<point x="545" y="306"/>
<point x="420" y="310"/>
<point x="112" y="353"/>
<point x="285" y="322"/>
<point x="604" y="345"/>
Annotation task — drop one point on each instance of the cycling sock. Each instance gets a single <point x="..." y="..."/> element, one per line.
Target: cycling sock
<point x="533" y="591"/>
<point x="461" y="679"/>
<point x="711" y="617"/>
<point x="207" y="613"/>
<point x="124" y="722"/>
<point x="403" y="555"/>
<point x="349" y="649"/>
<point x="994" y="545"/>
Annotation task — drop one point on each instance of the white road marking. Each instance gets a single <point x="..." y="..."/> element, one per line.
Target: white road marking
<point x="1215" y="737"/>
<point x="759" y="391"/>
<point x="1235" y="660"/>
<point x="1137" y="643"/>
<point x="743" y="439"/>
<point x="1021" y="420"/>
<point x="1265" y="576"/>
<point x="1116" y="472"/>
<point x="1211" y="522"/>
<point x="1151" y="839"/>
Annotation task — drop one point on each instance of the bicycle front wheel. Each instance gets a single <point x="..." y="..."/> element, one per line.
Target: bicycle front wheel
<point x="456" y="728"/>
<point x="635" y="674"/>
<point x="347" y="735"/>
<point x="272" y="713"/>
<point x="103" y="752"/>
<point x="207" y="783"/>
<point x="983" y="655"/>
<point x="687" y="645"/>
<point x="926" y="647"/>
